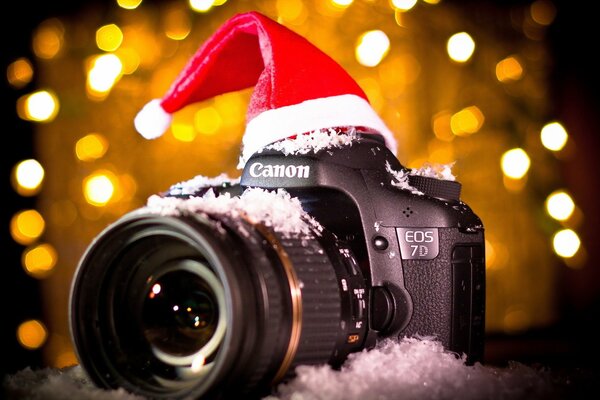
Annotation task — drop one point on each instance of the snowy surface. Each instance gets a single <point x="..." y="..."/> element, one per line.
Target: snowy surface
<point x="416" y="369"/>
<point x="276" y="209"/>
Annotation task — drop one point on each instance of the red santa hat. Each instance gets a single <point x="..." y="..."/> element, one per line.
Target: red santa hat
<point x="297" y="87"/>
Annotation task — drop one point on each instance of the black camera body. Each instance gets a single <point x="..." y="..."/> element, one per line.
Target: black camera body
<point x="393" y="254"/>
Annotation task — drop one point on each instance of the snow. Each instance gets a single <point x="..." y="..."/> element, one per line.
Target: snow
<point x="400" y="179"/>
<point x="409" y="369"/>
<point x="276" y="209"/>
<point x="193" y="185"/>
<point x="429" y="170"/>
<point x="314" y="142"/>
<point x="438" y="171"/>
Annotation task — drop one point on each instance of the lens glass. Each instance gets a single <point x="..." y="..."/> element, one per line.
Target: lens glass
<point x="180" y="313"/>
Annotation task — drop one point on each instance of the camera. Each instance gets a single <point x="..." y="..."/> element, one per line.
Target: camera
<point x="220" y="288"/>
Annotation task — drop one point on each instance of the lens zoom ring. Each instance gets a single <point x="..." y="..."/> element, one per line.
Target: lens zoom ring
<point x="321" y="304"/>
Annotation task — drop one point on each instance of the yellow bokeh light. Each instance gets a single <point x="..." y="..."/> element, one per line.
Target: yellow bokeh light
<point x="48" y="39"/>
<point x="39" y="261"/>
<point x="290" y="11"/>
<point x="183" y="132"/>
<point x="440" y="123"/>
<point x="177" y="24"/>
<point x="40" y="106"/>
<point x="129" y="4"/>
<point x="560" y="205"/>
<point x="99" y="188"/>
<point x="543" y="12"/>
<point x="105" y="72"/>
<point x="554" y="136"/>
<point x="207" y="120"/>
<point x="342" y="3"/>
<point x="460" y="47"/>
<point x="372" y="47"/>
<point x="566" y="243"/>
<point x="109" y="37"/>
<point x="201" y="5"/>
<point x="32" y="334"/>
<point x="130" y="60"/>
<point x="515" y="163"/>
<point x="26" y="226"/>
<point x="403" y="5"/>
<point x="27" y="177"/>
<point x="91" y="147"/>
<point x="509" y="69"/>
<point x="467" y="121"/>
<point x="19" y="73"/>
<point x="432" y="1"/>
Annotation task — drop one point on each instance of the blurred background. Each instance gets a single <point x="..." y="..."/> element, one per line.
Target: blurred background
<point x="506" y="90"/>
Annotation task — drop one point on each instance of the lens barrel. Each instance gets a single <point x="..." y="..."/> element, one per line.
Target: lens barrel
<point x="200" y="306"/>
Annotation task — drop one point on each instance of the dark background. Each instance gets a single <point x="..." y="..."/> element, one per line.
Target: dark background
<point x="574" y="91"/>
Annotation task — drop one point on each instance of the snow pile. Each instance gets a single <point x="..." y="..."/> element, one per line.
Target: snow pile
<point x="413" y="369"/>
<point x="193" y="185"/>
<point x="276" y="209"/>
<point x="410" y="369"/>
<point x="400" y="179"/>
<point x="314" y="141"/>
<point x="438" y="171"/>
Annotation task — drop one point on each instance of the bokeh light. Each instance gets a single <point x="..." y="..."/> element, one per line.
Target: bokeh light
<point x="509" y="69"/>
<point x="91" y="147"/>
<point x="515" y="163"/>
<point x="554" y="136"/>
<point x="129" y="4"/>
<point x="460" y="47"/>
<point x="27" y="177"/>
<point x="201" y="5"/>
<point x="40" y="260"/>
<point x="560" y="205"/>
<point x="48" y="39"/>
<point x="32" y="334"/>
<point x="27" y="226"/>
<point x="109" y="37"/>
<point x="40" y="106"/>
<point x="104" y="73"/>
<point x="19" y="73"/>
<point x="566" y="243"/>
<point x="467" y="121"/>
<point x="99" y="188"/>
<point x="372" y="47"/>
<point x="403" y="5"/>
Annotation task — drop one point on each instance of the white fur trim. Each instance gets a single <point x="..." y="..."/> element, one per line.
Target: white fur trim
<point x="152" y="120"/>
<point x="311" y="115"/>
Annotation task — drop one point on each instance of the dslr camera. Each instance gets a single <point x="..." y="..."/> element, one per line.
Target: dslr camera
<point x="198" y="296"/>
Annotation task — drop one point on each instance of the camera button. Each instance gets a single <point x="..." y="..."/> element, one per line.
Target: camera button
<point x="380" y="243"/>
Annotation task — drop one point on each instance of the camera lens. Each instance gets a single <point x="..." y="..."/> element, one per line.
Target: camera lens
<point x="200" y="306"/>
<point x="181" y="316"/>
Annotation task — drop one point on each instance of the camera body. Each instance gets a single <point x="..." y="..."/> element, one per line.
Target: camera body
<point x="417" y="246"/>
<point x="387" y="253"/>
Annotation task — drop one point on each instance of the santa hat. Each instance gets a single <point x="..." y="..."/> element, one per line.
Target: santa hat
<point x="297" y="87"/>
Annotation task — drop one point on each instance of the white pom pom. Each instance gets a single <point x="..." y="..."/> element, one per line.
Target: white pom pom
<point x="152" y="120"/>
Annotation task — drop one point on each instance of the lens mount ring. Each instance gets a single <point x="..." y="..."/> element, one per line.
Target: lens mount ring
<point x="295" y="297"/>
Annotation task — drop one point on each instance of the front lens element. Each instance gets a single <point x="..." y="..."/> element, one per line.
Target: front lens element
<point x="181" y="312"/>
